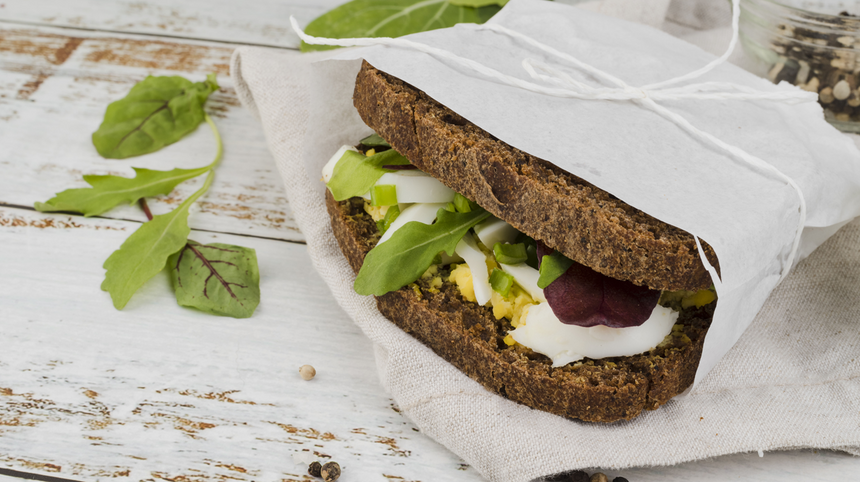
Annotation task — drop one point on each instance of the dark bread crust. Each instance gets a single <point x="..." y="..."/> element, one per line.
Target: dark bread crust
<point x="469" y="337"/>
<point x="582" y="221"/>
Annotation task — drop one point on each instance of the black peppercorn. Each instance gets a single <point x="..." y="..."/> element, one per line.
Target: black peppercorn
<point x="620" y="479"/>
<point x="576" y="476"/>
<point x="330" y="471"/>
<point x="314" y="469"/>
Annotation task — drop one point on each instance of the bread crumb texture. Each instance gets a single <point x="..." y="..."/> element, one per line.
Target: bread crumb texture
<point x="567" y="213"/>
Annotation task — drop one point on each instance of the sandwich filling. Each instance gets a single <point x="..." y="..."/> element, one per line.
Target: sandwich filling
<point x="555" y="306"/>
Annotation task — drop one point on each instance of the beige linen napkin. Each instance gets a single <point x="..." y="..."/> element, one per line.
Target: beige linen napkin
<point x="792" y="381"/>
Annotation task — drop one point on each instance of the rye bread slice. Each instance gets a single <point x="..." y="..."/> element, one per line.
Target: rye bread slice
<point x="567" y="213"/>
<point x="469" y="337"/>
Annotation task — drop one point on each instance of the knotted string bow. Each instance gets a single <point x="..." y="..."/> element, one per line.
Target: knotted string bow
<point x="564" y="86"/>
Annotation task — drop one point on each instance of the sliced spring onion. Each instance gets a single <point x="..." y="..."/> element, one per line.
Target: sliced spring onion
<point x="390" y="215"/>
<point x="551" y="267"/>
<point x="383" y="195"/>
<point x="501" y="282"/>
<point x="375" y="140"/>
<point x="462" y="204"/>
<point x="510" y="253"/>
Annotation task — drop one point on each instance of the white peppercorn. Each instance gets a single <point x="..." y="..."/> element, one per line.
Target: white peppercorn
<point x="307" y="372"/>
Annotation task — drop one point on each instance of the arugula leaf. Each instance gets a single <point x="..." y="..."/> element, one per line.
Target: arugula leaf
<point x="145" y="252"/>
<point x="392" y="18"/>
<point x="354" y="174"/>
<point x="410" y="251"/>
<point x="551" y="267"/>
<point x="220" y="279"/>
<point x="478" y="3"/>
<point x="157" y="111"/>
<point x="109" y="191"/>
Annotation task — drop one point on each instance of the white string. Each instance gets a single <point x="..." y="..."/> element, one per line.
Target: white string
<point x="568" y="87"/>
<point x="736" y="16"/>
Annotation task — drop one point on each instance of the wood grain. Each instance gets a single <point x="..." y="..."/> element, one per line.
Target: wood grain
<point x="158" y="391"/>
<point x="260" y="22"/>
<point x="54" y="88"/>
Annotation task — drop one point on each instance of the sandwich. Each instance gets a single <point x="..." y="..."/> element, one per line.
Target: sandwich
<point x="542" y="287"/>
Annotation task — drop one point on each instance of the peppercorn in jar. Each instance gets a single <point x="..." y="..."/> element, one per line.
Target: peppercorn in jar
<point x="813" y="44"/>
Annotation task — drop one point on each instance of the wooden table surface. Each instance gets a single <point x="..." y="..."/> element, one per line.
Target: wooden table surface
<point x="157" y="391"/>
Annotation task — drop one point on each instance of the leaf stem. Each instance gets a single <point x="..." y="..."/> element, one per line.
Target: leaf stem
<point x="218" y="155"/>
<point x="217" y="134"/>
<point x="145" y="208"/>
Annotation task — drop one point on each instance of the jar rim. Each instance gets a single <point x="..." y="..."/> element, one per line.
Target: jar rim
<point x="826" y="18"/>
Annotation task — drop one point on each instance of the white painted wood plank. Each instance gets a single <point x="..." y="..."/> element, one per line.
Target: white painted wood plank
<point x="54" y="88"/>
<point x="160" y="391"/>
<point x="262" y="22"/>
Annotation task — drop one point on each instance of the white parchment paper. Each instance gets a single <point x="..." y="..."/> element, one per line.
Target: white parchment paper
<point x="747" y="216"/>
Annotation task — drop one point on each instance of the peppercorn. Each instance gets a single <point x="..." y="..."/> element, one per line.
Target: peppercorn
<point x="579" y="476"/>
<point x="330" y="471"/>
<point x="576" y="476"/>
<point x="599" y="477"/>
<point x="314" y="469"/>
<point x="620" y="479"/>
<point x="307" y="372"/>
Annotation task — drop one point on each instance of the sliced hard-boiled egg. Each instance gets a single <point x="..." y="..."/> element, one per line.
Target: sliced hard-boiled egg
<point x="414" y="186"/>
<point x="328" y="169"/>
<point x="468" y="249"/>
<point x="423" y="213"/>
<point x="494" y="230"/>
<point x="544" y="333"/>
<point x="527" y="278"/>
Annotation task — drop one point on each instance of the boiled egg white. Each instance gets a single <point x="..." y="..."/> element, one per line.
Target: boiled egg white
<point x="422" y="212"/>
<point x="544" y="333"/>
<point x="415" y="186"/>
<point x="328" y="169"/>
<point x="527" y="278"/>
<point x="468" y="249"/>
<point x="494" y="230"/>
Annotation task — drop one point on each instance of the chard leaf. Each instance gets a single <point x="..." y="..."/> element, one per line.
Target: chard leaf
<point x="405" y="256"/>
<point x="392" y="18"/>
<point x="157" y="111"/>
<point x="220" y="279"/>
<point x="354" y="174"/>
<point x="146" y="251"/>
<point x="108" y="192"/>
<point x="551" y="267"/>
<point x="478" y="3"/>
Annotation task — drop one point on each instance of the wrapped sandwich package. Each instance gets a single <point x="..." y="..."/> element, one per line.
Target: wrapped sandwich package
<point x="748" y="215"/>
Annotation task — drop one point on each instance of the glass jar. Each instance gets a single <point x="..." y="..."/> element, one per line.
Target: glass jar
<point x="814" y="45"/>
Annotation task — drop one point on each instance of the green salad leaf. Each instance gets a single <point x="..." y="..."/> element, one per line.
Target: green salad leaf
<point x="157" y="111"/>
<point x="146" y="251"/>
<point x="354" y="174"/>
<point x="216" y="278"/>
<point x="551" y="267"/>
<point x="108" y="192"/>
<point x="393" y="18"/>
<point x="375" y="140"/>
<point x="405" y="256"/>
